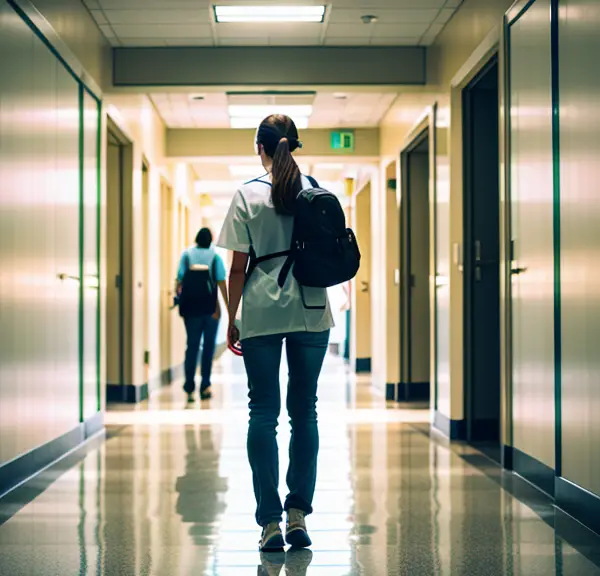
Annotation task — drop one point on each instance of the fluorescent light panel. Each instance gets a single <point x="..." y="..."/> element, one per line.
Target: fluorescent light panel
<point x="269" y="13"/>
<point x="249" y="116"/>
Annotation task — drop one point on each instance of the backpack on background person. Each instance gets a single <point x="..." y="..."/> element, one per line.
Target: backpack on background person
<point x="198" y="296"/>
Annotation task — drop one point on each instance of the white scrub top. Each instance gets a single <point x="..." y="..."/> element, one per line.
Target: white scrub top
<point x="267" y="308"/>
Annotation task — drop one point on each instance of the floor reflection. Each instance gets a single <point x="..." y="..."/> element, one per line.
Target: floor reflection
<point x="169" y="493"/>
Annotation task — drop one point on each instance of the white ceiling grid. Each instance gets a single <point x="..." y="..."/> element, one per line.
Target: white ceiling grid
<point x="357" y="110"/>
<point x="191" y="23"/>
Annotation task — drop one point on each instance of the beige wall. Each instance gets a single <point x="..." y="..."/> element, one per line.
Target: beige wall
<point x="183" y="143"/>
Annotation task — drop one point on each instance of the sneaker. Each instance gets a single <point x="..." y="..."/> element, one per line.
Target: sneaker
<point x="190" y="397"/>
<point x="296" y="534"/>
<point x="272" y="538"/>
<point x="206" y="394"/>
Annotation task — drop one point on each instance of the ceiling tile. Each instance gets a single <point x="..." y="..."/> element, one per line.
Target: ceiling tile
<point x="249" y="30"/>
<point x="292" y="41"/>
<point x="141" y="42"/>
<point x="170" y="16"/>
<point x="386" y="16"/>
<point x="107" y="31"/>
<point x="237" y="41"/>
<point x="189" y="41"/>
<point x="369" y="7"/>
<point x="162" y="31"/>
<point x="150" y="4"/>
<point x="394" y="41"/>
<point x="99" y="17"/>
<point x="349" y="31"/>
<point x="347" y="41"/>
<point x="453" y="3"/>
<point x="400" y="30"/>
<point x="445" y="15"/>
<point x="92" y="4"/>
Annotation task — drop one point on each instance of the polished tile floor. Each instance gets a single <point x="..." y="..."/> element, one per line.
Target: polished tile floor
<point x="169" y="493"/>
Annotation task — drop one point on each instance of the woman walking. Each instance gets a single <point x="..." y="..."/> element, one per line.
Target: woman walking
<point x="259" y="227"/>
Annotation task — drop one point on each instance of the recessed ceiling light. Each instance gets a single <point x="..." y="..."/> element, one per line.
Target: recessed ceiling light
<point x="369" y="19"/>
<point x="269" y="13"/>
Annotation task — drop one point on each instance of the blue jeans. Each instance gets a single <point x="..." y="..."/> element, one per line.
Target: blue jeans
<point x="262" y="357"/>
<point x="198" y="327"/>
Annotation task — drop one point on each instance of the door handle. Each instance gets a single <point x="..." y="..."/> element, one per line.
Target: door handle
<point x="63" y="276"/>
<point x="517" y="271"/>
<point x="364" y="286"/>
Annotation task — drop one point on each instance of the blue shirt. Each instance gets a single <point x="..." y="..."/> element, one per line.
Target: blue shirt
<point x="201" y="256"/>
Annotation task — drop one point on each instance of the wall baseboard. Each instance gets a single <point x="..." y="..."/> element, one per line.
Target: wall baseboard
<point x="31" y="463"/>
<point x="363" y="365"/>
<point x="534" y="471"/>
<point x="579" y="503"/>
<point x="134" y="393"/>
<point x="485" y="430"/>
<point x="390" y="391"/>
<point x="412" y="391"/>
<point x="507" y="457"/>
<point x="128" y="393"/>
<point x="454" y="429"/>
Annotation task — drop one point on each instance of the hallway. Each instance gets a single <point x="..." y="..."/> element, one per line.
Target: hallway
<point x="169" y="493"/>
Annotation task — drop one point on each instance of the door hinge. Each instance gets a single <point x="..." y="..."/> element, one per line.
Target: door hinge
<point x="118" y="281"/>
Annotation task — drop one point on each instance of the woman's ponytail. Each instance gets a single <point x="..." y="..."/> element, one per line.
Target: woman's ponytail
<point x="286" y="179"/>
<point x="278" y="136"/>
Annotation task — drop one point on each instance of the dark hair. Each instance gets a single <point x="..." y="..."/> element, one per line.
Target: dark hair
<point x="278" y="136"/>
<point x="204" y="238"/>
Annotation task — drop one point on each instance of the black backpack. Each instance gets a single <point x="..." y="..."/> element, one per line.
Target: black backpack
<point x="324" y="252"/>
<point x="198" y="291"/>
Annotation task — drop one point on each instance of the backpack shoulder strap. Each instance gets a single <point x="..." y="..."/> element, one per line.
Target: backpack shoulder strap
<point x="312" y="181"/>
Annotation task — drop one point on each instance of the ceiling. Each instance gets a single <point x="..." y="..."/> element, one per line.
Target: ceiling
<point x="354" y="110"/>
<point x="191" y="23"/>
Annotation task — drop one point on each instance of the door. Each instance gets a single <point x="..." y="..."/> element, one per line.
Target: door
<point x="482" y="256"/>
<point x="90" y="273"/>
<point x="114" y="263"/>
<point x="167" y="278"/>
<point x="415" y="338"/>
<point x="532" y="233"/>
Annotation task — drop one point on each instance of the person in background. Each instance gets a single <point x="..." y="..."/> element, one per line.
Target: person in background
<point x="260" y="222"/>
<point x="201" y="271"/>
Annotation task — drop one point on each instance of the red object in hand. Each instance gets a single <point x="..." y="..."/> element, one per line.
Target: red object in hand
<point x="235" y="348"/>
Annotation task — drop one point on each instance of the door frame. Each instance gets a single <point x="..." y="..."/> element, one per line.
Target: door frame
<point x="126" y="262"/>
<point x="493" y="43"/>
<point x="423" y="128"/>
<point x="468" y="200"/>
<point x="166" y="188"/>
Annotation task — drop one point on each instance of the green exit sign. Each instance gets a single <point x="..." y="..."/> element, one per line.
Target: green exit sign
<point x="342" y="140"/>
